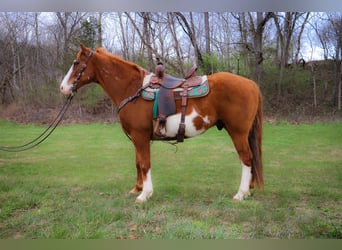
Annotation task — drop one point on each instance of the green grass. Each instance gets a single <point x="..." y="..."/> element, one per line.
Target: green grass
<point x="75" y="185"/>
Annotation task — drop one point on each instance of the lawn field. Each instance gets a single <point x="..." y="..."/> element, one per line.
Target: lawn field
<point x="75" y="186"/>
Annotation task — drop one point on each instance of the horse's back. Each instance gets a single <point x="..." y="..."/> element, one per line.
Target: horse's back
<point x="233" y="83"/>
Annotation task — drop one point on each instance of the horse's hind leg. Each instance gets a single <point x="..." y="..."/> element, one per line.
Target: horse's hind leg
<point x="245" y="154"/>
<point x="246" y="178"/>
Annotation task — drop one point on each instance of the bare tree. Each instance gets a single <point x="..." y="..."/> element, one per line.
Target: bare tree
<point x="318" y="24"/>
<point x="221" y="38"/>
<point x="149" y="45"/>
<point x="336" y="25"/>
<point x="328" y="28"/>
<point x="299" y="37"/>
<point x="207" y="33"/>
<point x="178" y="49"/>
<point x="258" y="32"/>
<point x="36" y="33"/>
<point x="16" y="28"/>
<point x="146" y="16"/>
<point x="124" y="37"/>
<point x="285" y="24"/>
<point x="244" y="47"/>
<point x="68" y="26"/>
<point x="99" y="29"/>
<point x="189" y="29"/>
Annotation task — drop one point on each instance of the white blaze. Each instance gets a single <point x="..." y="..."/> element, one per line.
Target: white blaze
<point x="65" y="86"/>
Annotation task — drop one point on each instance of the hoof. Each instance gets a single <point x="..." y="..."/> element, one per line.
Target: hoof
<point x="139" y="201"/>
<point x="240" y="196"/>
<point x="144" y="196"/>
<point x="134" y="191"/>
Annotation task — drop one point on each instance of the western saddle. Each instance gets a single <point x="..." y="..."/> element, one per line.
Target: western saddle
<point x="166" y="98"/>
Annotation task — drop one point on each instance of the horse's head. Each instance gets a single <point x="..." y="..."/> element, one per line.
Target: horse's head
<point x="80" y="73"/>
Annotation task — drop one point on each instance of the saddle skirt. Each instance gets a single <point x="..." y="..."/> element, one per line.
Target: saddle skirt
<point x="151" y="91"/>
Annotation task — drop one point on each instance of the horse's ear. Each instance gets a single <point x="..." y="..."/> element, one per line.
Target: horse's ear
<point x="83" y="48"/>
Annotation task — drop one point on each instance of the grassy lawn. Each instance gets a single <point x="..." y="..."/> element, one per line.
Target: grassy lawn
<point x="75" y="185"/>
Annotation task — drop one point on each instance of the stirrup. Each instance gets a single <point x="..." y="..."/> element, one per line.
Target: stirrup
<point x="160" y="128"/>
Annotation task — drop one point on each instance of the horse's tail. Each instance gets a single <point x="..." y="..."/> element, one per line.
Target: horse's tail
<point x="255" y="140"/>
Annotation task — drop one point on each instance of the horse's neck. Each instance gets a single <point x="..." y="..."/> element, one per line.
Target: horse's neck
<point x="122" y="81"/>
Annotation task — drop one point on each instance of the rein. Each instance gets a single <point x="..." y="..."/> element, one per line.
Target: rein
<point x="145" y="84"/>
<point x="129" y="99"/>
<point x="45" y="134"/>
<point x="48" y="131"/>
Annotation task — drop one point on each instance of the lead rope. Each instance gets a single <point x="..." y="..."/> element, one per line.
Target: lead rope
<point x="45" y="134"/>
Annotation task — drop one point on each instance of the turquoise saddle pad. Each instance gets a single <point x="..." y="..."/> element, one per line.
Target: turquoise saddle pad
<point x="199" y="91"/>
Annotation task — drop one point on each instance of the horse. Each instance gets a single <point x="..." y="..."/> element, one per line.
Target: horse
<point x="234" y="103"/>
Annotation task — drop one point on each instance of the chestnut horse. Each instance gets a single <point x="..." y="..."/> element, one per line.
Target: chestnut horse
<point x="233" y="103"/>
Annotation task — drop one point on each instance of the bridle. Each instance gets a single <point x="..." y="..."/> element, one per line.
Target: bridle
<point x="80" y="73"/>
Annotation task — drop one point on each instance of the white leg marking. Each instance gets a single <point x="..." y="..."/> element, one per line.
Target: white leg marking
<point x="172" y="124"/>
<point x="246" y="178"/>
<point x="147" y="189"/>
<point x="65" y="86"/>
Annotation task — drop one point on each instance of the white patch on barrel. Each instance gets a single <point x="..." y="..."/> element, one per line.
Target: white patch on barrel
<point x="65" y="86"/>
<point x="172" y="124"/>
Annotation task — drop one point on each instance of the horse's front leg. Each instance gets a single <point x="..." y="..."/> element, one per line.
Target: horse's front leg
<point x="139" y="183"/>
<point x="143" y="165"/>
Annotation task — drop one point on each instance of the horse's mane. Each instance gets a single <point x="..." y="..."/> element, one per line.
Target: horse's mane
<point x="103" y="51"/>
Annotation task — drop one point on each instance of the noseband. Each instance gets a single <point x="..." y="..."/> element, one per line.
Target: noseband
<point x="80" y="73"/>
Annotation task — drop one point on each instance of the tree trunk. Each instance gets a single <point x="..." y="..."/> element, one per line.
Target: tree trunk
<point x="339" y="102"/>
<point x="125" y="49"/>
<point x="99" y="30"/>
<point x="148" y="45"/>
<point x="189" y="29"/>
<point x="243" y="48"/>
<point x="69" y="25"/>
<point x="178" y="49"/>
<point x="63" y="20"/>
<point x="258" y="33"/>
<point x="36" y="31"/>
<point x="285" y="38"/>
<point x="299" y="38"/>
<point x="313" y="69"/>
<point x="207" y="33"/>
<point x="147" y="37"/>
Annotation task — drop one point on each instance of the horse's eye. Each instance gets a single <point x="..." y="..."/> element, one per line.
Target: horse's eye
<point x="75" y="63"/>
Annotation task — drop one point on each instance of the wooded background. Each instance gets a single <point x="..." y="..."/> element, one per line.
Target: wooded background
<point x="295" y="57"/>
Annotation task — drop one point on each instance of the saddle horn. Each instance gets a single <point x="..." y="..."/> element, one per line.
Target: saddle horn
<point x="160" y="69"/>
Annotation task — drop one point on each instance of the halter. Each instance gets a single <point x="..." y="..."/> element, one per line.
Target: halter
<point x="80" y="73"/>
